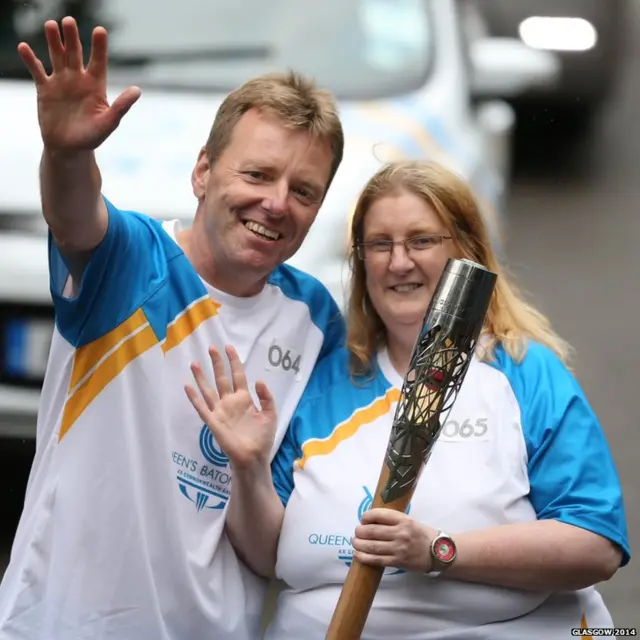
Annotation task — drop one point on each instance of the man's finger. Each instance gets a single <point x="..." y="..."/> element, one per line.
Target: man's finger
<point x="208" y="394"/>
<point x="223" y="383"/>
<point x="33" y="63"/>
<point x="121" y="105"/>
<point x="54" y="43"/>
<point x="72" y="44"/>
<point x="97" y="65"/>
<point x="237" y="372"/>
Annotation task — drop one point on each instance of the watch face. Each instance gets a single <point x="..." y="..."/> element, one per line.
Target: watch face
<point x="444" y="549"/>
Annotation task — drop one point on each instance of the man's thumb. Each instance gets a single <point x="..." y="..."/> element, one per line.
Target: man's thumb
<point x="124" y="102"/>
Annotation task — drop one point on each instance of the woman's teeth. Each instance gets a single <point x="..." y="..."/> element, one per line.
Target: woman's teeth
<point x="403" y="288"/>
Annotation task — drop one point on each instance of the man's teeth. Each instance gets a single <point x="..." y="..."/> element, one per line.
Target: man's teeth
<point x="261" y="231"/>
<point x="401" y="288"/>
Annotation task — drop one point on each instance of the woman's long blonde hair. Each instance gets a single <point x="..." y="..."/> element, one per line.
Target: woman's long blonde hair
<point x="510" y="321"/>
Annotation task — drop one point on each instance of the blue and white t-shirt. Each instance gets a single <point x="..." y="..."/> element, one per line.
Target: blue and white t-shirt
<point x="121" y="537"/>
<point x="521" y="443"/>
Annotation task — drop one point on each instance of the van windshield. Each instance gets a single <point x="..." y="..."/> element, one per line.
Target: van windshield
<point x="356" y="48"/>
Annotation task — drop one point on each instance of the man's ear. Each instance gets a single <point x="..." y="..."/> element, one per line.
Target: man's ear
<point x="200" y="175"/>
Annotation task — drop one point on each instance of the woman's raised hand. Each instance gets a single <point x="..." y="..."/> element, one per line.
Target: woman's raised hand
<point x="244" y="432"/>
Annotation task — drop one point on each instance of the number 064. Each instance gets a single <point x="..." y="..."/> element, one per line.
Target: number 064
<point x="466" y="429"/>
<point x="283" y="359"/>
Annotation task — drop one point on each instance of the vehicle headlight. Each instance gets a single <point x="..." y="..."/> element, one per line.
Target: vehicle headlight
<point x="558" y="34"/>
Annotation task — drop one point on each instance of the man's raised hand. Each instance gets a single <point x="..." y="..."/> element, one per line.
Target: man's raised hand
<point x="73" y="110"/>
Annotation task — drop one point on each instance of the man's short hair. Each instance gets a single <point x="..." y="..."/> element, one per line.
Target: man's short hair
<point x="290" y="97"/>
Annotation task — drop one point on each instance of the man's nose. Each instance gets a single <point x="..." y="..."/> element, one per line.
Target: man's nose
<point x="276" y="201"/>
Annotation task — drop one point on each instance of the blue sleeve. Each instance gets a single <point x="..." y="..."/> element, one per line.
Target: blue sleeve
<point x="324" y="311"/>
<point x="126" y="268"/>
<point x="313" y="418"/>
<point x="572" y="474"/>
<point x="335" y="332"/>
<point x="282" y="465"/>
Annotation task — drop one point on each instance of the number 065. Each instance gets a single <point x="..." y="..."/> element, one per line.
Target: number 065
<point x="466" y="429"/>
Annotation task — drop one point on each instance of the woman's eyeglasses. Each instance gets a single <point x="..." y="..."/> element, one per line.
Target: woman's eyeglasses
<point x="414" y="244"/>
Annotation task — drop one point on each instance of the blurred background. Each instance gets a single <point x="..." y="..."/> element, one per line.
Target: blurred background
<point x="535" y="102"/>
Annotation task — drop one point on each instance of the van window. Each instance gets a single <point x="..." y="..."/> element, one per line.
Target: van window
<point x="356" y="48"/>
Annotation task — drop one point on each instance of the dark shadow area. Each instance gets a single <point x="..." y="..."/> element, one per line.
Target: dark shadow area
<point x="15" y="463"/>
<point x="549" y="144"/>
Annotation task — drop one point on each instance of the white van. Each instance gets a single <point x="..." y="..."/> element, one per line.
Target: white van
<point x="411" y="80"/>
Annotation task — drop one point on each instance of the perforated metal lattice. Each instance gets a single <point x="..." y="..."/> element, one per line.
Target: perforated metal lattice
<point x="438" y="367"/>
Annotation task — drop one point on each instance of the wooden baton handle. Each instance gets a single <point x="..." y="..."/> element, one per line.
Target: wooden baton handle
<point x="362" y="582"/>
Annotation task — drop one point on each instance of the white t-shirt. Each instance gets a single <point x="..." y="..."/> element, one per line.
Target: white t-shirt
<point x="520" y="443"/>
<point x="121" y="537"/>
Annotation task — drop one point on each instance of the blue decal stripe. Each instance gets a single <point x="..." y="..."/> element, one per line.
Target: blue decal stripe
<point x="15" y="347"/>
<point x="414" y="110"/>
<point x="364" y="132"/>
<point x="404" y="124"/>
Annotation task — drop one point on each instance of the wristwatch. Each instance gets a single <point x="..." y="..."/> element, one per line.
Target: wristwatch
<point x="443" y="554"/>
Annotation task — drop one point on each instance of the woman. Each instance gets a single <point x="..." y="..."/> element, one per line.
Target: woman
<point x="521" y="480"/>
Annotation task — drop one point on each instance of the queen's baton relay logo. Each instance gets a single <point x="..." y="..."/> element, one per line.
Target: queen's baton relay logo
<point x="342" y="543"/>
<point x="209" y="449"/>
<point x="204" y="481"/>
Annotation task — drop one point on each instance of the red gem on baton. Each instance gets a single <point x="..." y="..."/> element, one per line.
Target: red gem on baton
<point x="435" y="378"/>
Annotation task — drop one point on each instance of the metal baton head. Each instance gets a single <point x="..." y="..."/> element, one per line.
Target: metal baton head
<point x="441" y="357"/>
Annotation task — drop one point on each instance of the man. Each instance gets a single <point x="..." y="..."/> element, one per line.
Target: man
<point x="122" y="534"/>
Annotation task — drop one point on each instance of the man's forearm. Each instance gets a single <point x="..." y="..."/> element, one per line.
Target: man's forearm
<point x="72" y="204"/>
<point x="254" y="519"/>
<point x="540" y="556"/>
